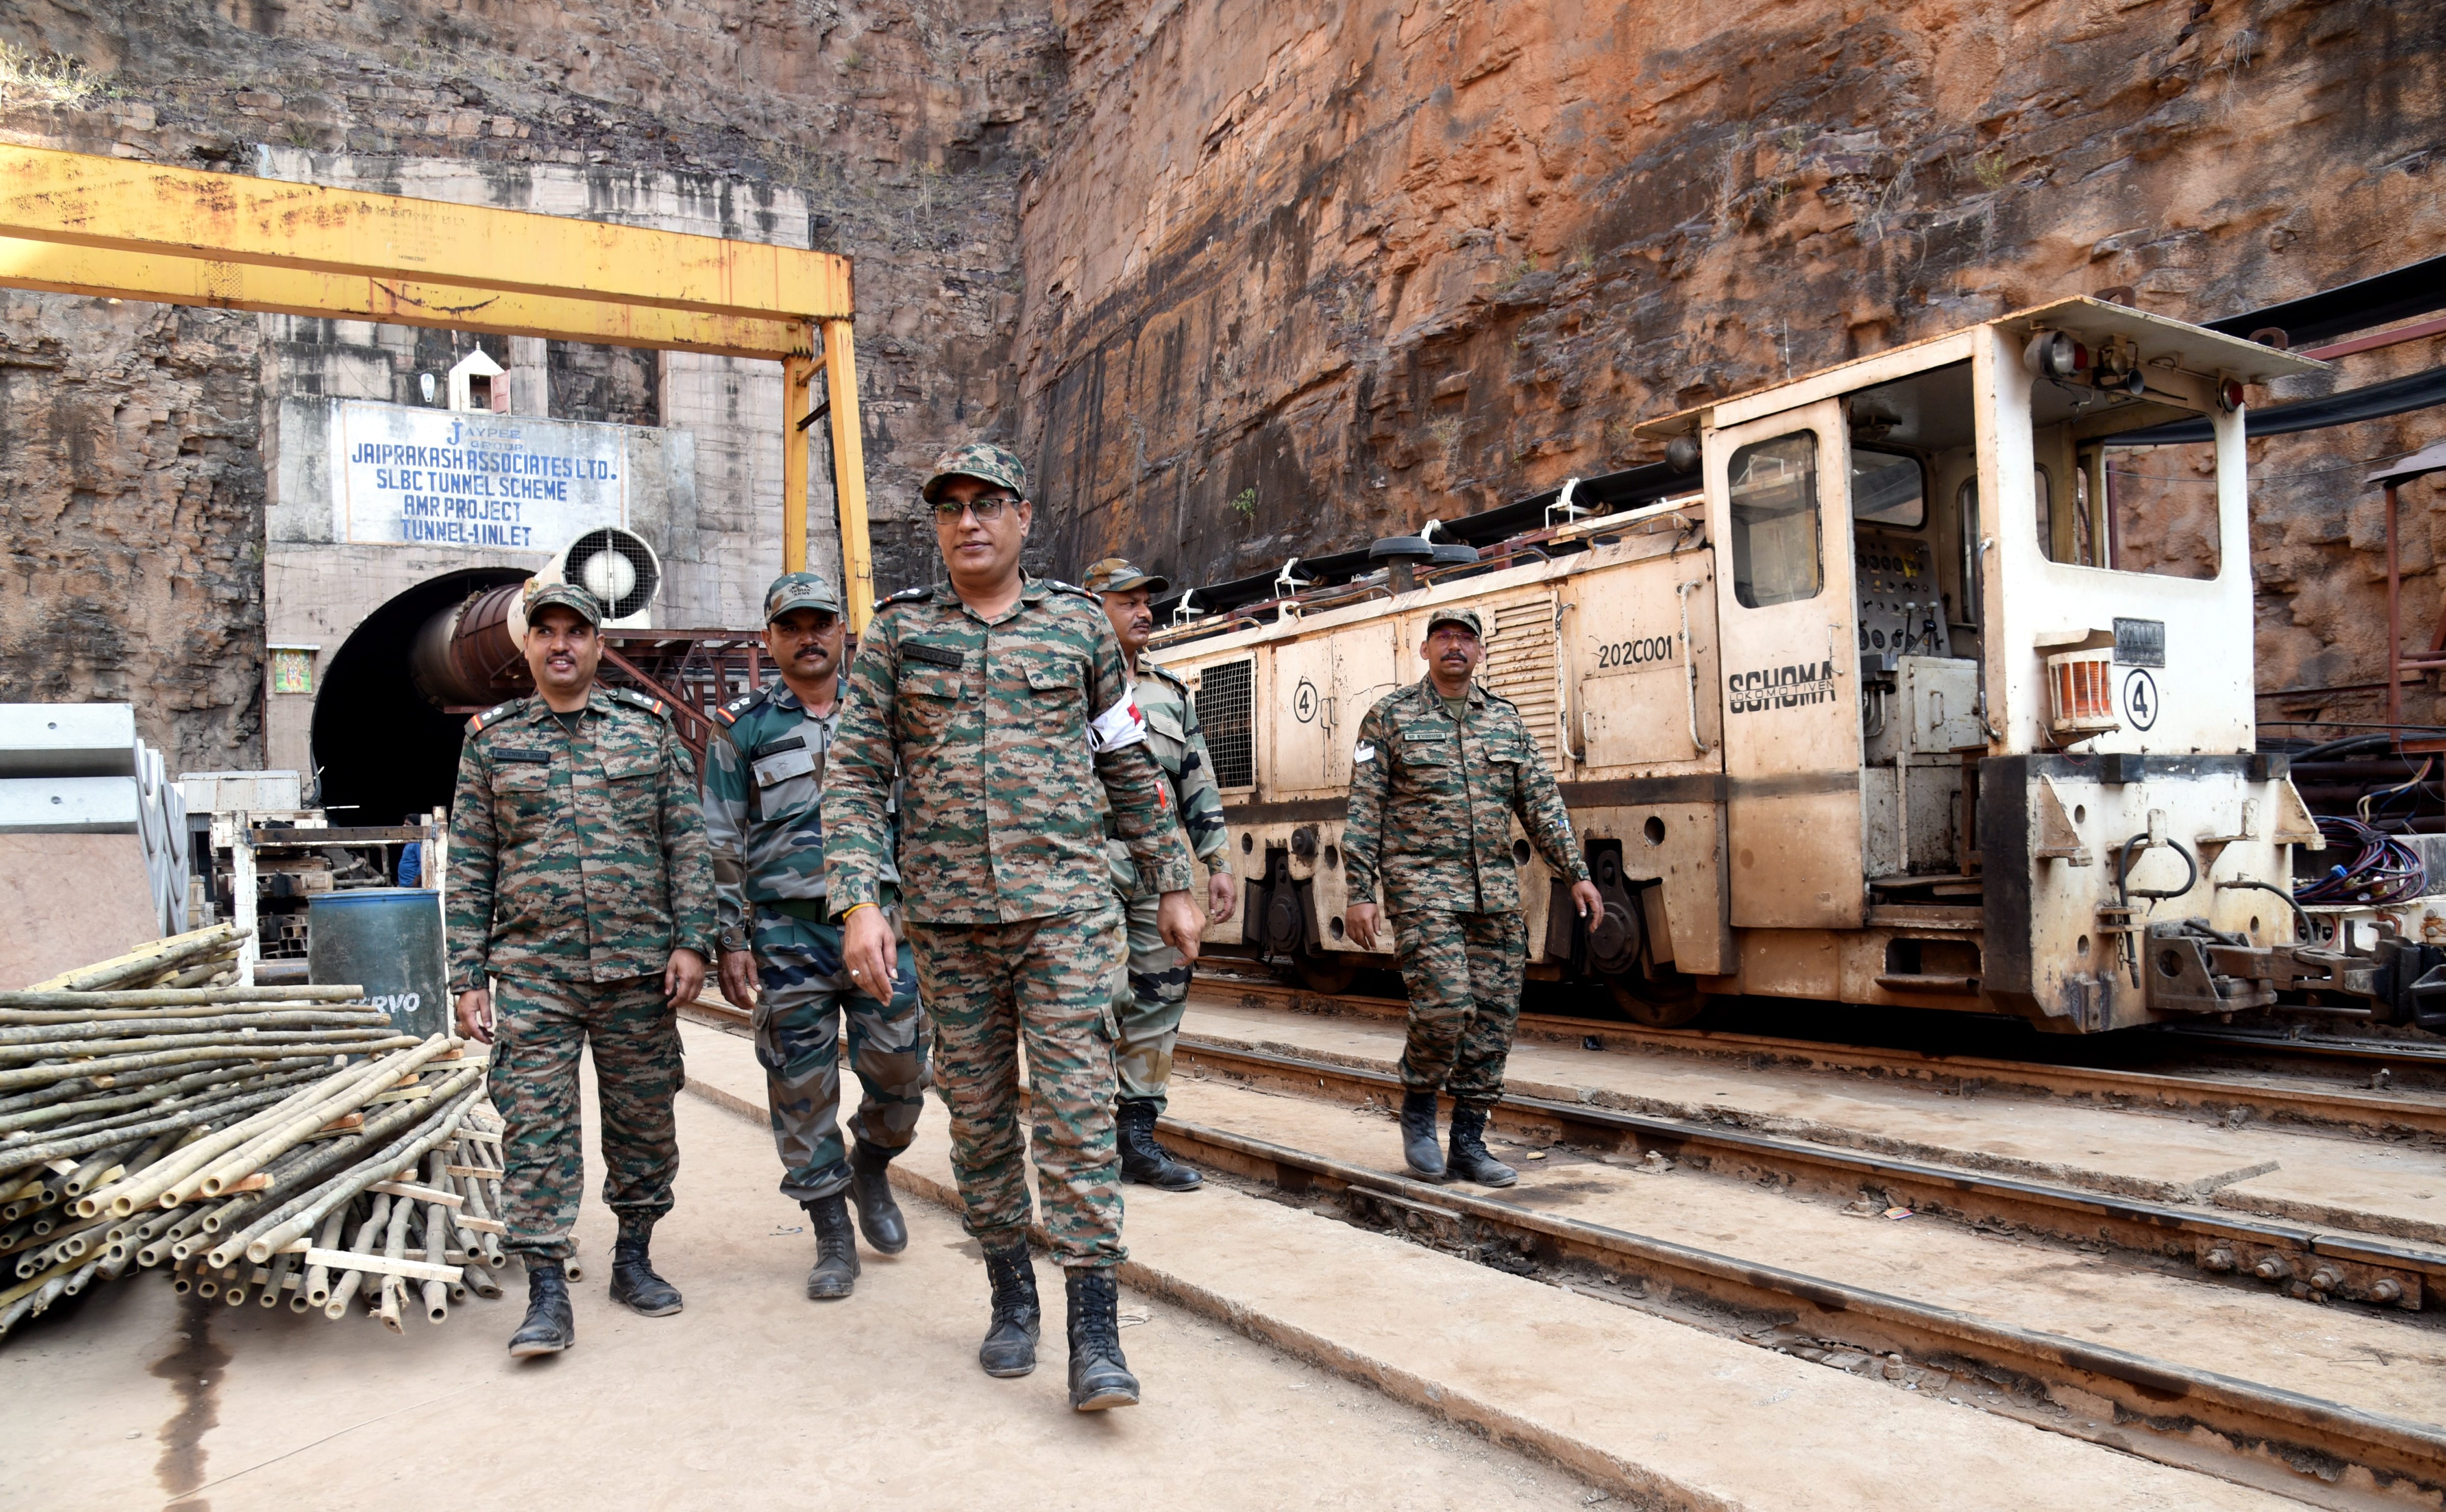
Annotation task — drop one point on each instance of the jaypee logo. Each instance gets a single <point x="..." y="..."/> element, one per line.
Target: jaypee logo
<point x="1792" y="687"/>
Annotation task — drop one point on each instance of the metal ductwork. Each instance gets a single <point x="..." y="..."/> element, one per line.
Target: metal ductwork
<point x="469" y="656"/>
<point x="473" y="654"/>
<point x="615" y="565"/>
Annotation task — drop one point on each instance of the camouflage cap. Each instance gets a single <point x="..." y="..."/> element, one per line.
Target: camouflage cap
<point x="1469" y="619"/>
<point x="978" y="459"/>
<point x="540" y="596"/>
<point x="1114" y="574"/>
<point x="800" y="591"/>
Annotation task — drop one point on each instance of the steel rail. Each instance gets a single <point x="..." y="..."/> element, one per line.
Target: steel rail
<point x="2320" y="1047"/>
<point x="2135" y="1223"/>
<point x="2265" y="1424"/>
<point x="2311" y="1104"/>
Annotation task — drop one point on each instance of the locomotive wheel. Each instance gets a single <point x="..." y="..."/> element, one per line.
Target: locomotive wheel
<point x="1667" y="1004"/>
<point x="1327" y="975"/>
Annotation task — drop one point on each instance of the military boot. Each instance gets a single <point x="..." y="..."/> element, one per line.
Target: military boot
<point x="548" y="1327"/>
<point x="835" y="1271"/>
<point x="1009" y="1348"/>
<point x="1418" y="1135"/>
<point x="633" y="1281"/>
<point x="1469" y="1160"/>
<point x="1143" y="1159"/>
<point x="870" y="1185"/>
<point x="1099" y="1376"/>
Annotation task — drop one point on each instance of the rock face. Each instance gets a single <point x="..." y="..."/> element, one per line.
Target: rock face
<point x="1301" y="275"/>
<point x="131" y="498"/>
<point x="1245" y="280"/>
<point x="901" y="129"/>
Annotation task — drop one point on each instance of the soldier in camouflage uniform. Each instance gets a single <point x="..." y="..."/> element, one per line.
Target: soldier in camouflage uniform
<point x="1001" y="703"/>
<point x="781" y="952"/>
<point x="581" y="891"/>
<point x="1440" y="770"/>
<point x="1150" y="996"/>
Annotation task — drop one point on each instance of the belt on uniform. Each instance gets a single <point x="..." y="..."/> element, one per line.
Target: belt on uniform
<point x="810" y="910"/>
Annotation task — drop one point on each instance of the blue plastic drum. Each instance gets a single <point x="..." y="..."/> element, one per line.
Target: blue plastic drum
<point x="387" y="939"/>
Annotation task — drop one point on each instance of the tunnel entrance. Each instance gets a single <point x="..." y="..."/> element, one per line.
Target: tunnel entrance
<point x="383" y="752"/>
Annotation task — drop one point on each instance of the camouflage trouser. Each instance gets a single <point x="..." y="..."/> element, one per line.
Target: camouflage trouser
<point x="806" y="991"/>
<point x="635" y="1039"/>
<point x="1463" y="972"/>
<point x="1148" y="1000"/>
<point x="1044" y="985"/>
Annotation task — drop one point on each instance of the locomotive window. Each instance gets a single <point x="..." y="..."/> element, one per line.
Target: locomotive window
<point x="2160" y="508"/>
<point x="1772" y="488"/>
<point x="1887" y="489"/>
<point x="1223" y="709"/>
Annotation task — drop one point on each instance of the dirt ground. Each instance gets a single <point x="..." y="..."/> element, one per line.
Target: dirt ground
<point x="753" y="1395"/>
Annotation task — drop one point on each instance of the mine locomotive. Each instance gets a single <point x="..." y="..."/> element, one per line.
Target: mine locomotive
<point x="1924" y="680"/>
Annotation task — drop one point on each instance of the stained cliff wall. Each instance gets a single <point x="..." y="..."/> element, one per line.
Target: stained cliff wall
<point x="893" y="131"/>
<point x="1243" y="280"/>
<point x="1300" y="276"/>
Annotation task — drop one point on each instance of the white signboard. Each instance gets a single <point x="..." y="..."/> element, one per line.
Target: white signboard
<point x="472" y="479"/>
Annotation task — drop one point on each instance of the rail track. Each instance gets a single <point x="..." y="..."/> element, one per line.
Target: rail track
<point x="2288" y="1442"/>
<point x="2325" y="1263"/>
<point x="2327" y="1453"/>
<point x="2305" y="1100"/>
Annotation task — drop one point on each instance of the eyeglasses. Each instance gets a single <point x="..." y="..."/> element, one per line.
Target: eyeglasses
<point x="987" y="509"/>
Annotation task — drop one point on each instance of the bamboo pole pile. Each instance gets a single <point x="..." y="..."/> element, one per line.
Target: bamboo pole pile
<point x="223" y="1131"/>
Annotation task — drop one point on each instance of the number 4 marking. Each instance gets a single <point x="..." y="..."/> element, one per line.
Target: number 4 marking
<point x="2140" y="699"/>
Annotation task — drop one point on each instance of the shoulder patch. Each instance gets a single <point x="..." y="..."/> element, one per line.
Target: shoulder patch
<point x="906" y="596"/>
<point x="495" y="715"/>
<point x="1061" y="587"/>
<point x="731" y="712"/>
<point x="1161" y="674"/>
<point x="652" y="706"/>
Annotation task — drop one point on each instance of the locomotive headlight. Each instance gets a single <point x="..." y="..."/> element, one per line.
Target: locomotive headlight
<point x="2052" y="354"/>
<point x="1681" y="454"/>
<point x="2228" y="392"/>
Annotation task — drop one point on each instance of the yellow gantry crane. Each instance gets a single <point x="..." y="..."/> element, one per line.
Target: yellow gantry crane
<point x="74" y="223"/>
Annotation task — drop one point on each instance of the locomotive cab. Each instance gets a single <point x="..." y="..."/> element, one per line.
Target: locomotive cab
<point x="1989" y="716"/>
<point x="1924" y="680"/>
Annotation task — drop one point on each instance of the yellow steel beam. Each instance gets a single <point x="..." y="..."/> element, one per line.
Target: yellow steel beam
<point x="798" y="396"/>
<point x="112" y="202"/>
<point x="63" y="268"/>
<point x="849" y="470"/>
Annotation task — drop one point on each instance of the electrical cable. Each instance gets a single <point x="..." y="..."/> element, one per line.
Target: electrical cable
<point x="2380" y="794"/>
<point x="2383" y="870"/>
<point x="2125" y="892"/>
<point x="2340" y="747"/>
<point x="2301" y="920"/>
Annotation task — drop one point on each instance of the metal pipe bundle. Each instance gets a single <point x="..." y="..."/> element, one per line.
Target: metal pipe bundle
<point x="148" y="1116"/>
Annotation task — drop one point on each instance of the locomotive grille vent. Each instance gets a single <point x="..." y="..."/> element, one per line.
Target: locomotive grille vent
<point x="1224" y="698"/>
<point x="1520" y="665"/>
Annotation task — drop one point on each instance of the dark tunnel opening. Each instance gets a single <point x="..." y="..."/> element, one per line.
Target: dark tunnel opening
<point x="382" y="752"/>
